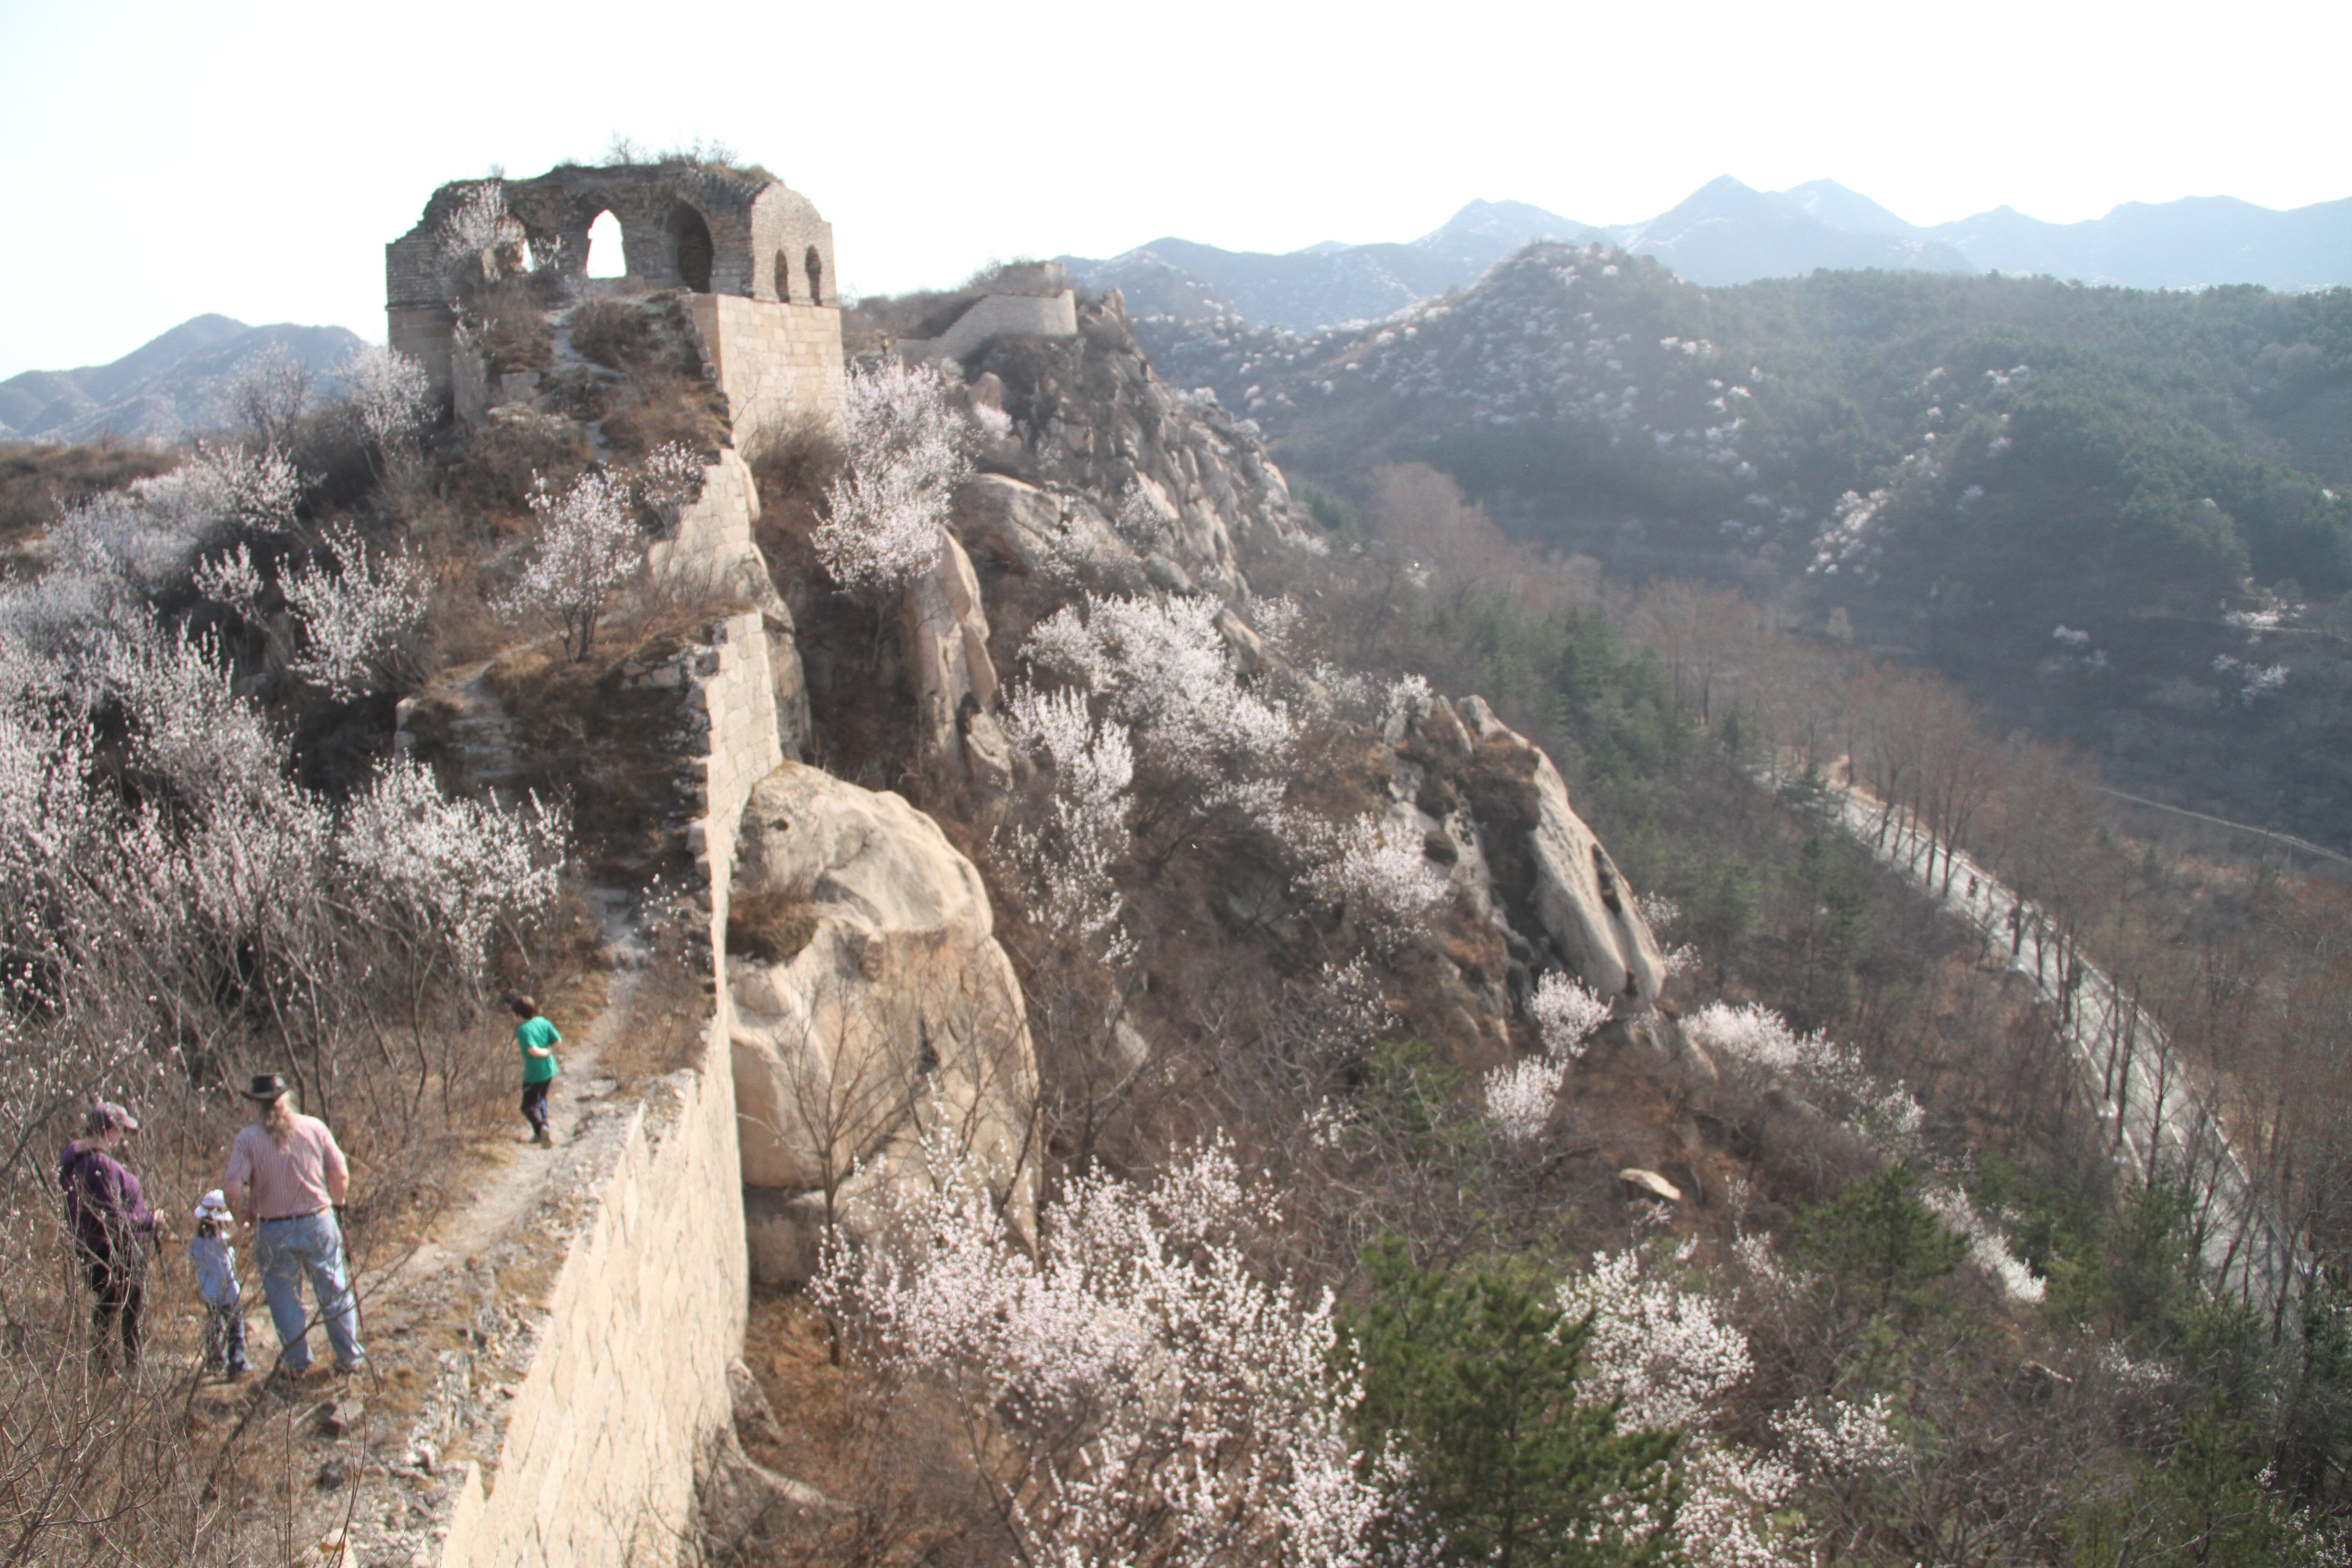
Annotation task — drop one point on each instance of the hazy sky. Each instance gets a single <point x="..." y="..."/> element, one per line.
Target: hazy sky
<point x="162" y="159"/>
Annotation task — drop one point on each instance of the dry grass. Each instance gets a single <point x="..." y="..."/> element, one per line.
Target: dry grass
<point x="36" y="483"/>
<point x="769" y="926"/>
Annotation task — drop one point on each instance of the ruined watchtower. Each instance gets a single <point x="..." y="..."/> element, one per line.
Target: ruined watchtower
<point x="753" y="255"/>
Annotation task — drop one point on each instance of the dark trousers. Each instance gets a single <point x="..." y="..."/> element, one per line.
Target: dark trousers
<point x="534" y="1106"/>
<point x="120" y="1285"/>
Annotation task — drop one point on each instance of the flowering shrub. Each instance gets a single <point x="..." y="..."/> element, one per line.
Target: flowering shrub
<point x="458" y="865"/>
<point x="1378" y="870"/>
<point x="1137" y="1391"/>
<point x="885" y="513"/>
<point x="1162" y="665"/>
<point x="1518" y="1096"/>
<point x="351" y="616"/>
<point x="1761" y="1041"/>
<point x="589" y="545"/>
<point x="1565" y="1013"/>
<point x="1988" y="1248"/>
<point x="1068" y="861"/>
<point x="387" y="393"/>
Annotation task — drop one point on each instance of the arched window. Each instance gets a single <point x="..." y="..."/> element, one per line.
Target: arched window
<point x="605" y="255"/>
<point x="783" y="278"/>
<point x="815" y="276"/>
<point x="691" y="237"/>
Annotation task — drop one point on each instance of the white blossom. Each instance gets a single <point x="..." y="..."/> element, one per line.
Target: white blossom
<point x="1153" y="1395"/>
<point x="1163" y="665"/>
<point x="386" y="391"/>
<point x="1069" y="859"/>
<point x="589" y="545"/>
<point x="149" y="533"/>
<point x="1760" y="1040"/>
<point x="1671" y="1358"/>
<point x="1518" y="1097"/>
<point x="351" y="617"/>
<point x="1565" y="1013"/>
<point x="884" y="514"/>
<point x="1988" y="1248"/>
<point x="462" y="864"/>
<point x="1380" y="869"/>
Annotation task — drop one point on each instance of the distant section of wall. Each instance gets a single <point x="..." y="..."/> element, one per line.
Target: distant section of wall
<point x="998" y="316"/>
<point x="776" y="363"/>
<point x="598" y="1461"/>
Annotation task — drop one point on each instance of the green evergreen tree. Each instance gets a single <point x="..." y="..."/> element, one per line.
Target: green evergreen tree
<point x="1878" y="1246"/>
<point x="1471" y="1406"/>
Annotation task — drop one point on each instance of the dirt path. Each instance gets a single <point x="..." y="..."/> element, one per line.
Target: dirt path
<point x="451" y="1324"/>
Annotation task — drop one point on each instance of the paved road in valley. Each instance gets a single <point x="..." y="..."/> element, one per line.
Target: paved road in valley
<point x="2147" y="1103"/>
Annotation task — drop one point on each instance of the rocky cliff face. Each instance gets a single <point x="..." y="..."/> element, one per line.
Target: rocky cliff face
<point x="1522" y="857"/>
<point x="873" y="1009"/>
<point x="1170" y="471"/>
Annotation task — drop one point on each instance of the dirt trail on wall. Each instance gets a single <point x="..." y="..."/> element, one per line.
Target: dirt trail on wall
<point x="509" y="1180"/>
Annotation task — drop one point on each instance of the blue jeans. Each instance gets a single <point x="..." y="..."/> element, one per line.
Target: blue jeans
<point x="313" y="1245"/>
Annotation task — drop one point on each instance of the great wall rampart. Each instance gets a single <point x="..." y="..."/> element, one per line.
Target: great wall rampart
<point x="594" y="1454"/>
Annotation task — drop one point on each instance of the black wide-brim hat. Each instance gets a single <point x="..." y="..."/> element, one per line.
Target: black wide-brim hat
<point x="267" y="1086"/>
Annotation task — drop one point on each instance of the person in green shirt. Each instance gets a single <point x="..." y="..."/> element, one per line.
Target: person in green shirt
<point x="538" y="1039"/>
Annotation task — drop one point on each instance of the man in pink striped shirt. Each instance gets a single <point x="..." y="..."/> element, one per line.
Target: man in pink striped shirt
<point x="285" y="1177"/>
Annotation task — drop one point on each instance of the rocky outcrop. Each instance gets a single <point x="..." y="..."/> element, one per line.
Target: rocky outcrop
<point x="1091" y="417"/>
<point x="1520" y="852"/>
<point x="944" y="641"/>
<point x="872" y="1005"/>
<point x="1582" y="901"/>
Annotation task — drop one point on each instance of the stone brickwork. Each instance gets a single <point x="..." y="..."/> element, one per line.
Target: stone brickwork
<point x="994" y="316"/>
<point x="739" y="685"/>
<point x="711" y="554"/>
<point x="776" y="363"/>
<point x="628" y="1386"/>
<point x="715" y="232"/>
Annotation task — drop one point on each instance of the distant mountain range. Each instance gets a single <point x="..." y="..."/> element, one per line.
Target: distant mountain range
<point x="165" y="390"/>
<point x="1727" y="233"/>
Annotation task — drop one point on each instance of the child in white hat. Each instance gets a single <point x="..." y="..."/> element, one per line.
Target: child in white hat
<point x="213" y="1251"/>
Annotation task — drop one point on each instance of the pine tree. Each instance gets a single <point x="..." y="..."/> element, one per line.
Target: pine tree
<point x="1471" y="1413"/>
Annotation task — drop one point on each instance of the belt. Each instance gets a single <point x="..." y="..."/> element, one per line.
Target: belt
<point x="281" y="1218"/>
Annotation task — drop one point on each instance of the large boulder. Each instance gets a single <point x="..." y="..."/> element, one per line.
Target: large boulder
<point x="1550" y="872"/>
<point x="872" y="1007"/>
<point x="1040" y="533"/>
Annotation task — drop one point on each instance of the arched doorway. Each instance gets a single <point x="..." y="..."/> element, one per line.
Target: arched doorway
<point x="606" y="257"/>
<point x="783" y="278"/>
<point x="815" y="276"/>
<point x="691" y="239"/>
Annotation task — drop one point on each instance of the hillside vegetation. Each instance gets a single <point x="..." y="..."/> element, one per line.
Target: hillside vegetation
<point x="2123" y="520"/>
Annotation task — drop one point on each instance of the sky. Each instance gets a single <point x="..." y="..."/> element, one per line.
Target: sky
<point x="159" y="161"/>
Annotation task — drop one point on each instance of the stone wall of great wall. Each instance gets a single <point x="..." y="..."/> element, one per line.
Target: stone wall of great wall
<point x="603" y="1437"/>
<point x="596" y="1456"/>
<point x="628" y="1385"/>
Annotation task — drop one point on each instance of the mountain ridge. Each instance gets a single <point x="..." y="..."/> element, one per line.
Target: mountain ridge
<point x="1728" y="232"/>
<point x="166" y="389"/>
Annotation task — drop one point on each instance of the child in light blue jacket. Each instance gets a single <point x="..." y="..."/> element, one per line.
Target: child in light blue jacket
<point x="213" y="1251"/>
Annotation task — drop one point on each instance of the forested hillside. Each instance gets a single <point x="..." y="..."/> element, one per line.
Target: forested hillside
<point x="2123" y="519"/>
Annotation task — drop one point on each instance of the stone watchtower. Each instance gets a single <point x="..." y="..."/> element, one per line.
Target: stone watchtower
<point x="754" y="256"/>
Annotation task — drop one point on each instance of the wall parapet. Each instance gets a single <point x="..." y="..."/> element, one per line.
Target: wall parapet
<point x="628" y="1385"/>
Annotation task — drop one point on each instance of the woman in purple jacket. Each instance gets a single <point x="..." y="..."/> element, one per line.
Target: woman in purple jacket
<point x="112" y="1227"/>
